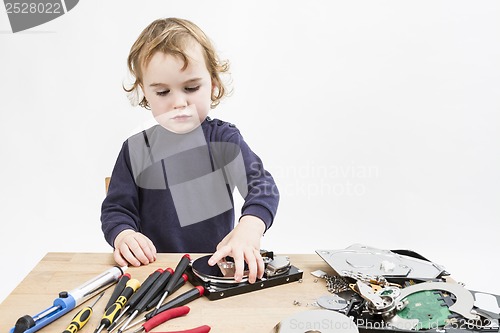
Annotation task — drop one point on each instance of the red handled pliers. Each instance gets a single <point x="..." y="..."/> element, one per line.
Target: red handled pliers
<point x="167" y="315"/>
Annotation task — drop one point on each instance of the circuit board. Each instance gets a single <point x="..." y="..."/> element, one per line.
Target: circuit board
<point x="428" y="307"/>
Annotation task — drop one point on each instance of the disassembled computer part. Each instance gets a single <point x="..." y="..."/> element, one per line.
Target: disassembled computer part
<point x="401" y="291"/>
<point x="375" y="262"/>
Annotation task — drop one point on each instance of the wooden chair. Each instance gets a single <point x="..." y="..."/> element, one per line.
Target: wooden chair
<point x="106" y="183"/>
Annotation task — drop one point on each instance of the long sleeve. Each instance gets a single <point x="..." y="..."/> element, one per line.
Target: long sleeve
<point x="119" y="209"/>
<point x="245" y="170"/>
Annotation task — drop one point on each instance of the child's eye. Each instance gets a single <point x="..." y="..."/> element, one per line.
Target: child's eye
<point x="192" y="89"/>
<point x="162" y="93"/>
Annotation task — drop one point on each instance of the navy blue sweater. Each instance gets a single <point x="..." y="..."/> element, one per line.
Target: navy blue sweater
<point x="177" y="189"/>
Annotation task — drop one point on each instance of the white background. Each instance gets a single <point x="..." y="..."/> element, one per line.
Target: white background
<point x="378" y="119"/>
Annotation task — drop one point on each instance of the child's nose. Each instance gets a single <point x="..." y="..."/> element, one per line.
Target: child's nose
<point x="180" y="101"/>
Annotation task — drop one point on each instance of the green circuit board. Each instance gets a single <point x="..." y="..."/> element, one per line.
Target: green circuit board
<point x="428" y="307"/>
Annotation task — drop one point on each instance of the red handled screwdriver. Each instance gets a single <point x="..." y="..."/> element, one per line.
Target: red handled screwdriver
<point x="182" y="299"/>
<point x="109" y="316"/>
<point x="179" y="284"/>
<point x="155" y="289"/>
<point x="179" y="270"/>
<point x="81" y="318"/>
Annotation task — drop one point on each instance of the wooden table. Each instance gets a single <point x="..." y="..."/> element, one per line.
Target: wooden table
<point x="257" y="311"/>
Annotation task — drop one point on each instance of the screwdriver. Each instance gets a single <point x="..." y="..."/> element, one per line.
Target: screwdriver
<point x="67" y="301"/>
<point x="163" y="317"/>
<point x="182" y="299"/>
<point x="155" y="289"/>
<point x="179" y="270"/>
<point x="111" y="313"/>
<point x="122" y="282"/>
<point x="135" y="299"/>
<point x="82" y="317"/>
<point x="179" y="284"/>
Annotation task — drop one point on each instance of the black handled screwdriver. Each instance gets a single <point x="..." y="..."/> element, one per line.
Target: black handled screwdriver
<point x="180" y="300"/>
<point x="109" y="316"/>
<point x="135" y="299"/>
<point x="179" y="270"/>
<point x="122" y="282"/>
<point x="155" y="289"/>
<point x="179" y="284"/>
<point x="82" y="317"/>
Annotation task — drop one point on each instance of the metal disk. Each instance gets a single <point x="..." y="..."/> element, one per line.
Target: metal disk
<point x="332" y="302"/>
<point x="223" y="272"/>
<point x="316" y="321"/>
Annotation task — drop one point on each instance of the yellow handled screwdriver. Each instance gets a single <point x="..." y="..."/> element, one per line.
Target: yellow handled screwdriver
<point x="114" y="310"/>
<point x="82" y="317"/>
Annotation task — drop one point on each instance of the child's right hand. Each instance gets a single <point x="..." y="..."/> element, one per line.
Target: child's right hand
<point x="133" y="248"/>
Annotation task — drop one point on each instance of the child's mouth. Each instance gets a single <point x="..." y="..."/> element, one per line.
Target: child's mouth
<point x="181" y="117"/>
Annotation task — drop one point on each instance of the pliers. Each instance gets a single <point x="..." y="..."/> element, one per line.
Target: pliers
<point x="167" y="315"/>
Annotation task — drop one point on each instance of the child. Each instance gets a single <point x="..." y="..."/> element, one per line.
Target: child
<point x="171" y="188"/>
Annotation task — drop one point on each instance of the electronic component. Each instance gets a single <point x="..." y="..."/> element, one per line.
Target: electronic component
<point x="401" y="291"/>
<point x="218" y="280"/>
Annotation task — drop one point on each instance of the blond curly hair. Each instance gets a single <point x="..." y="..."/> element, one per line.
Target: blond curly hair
<point x="171" y="36"/>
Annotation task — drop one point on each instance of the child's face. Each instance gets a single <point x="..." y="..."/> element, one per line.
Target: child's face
<point x="179" y="99"/>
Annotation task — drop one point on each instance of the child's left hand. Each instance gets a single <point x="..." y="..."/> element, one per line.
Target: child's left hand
<point x="243" y="244"/>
